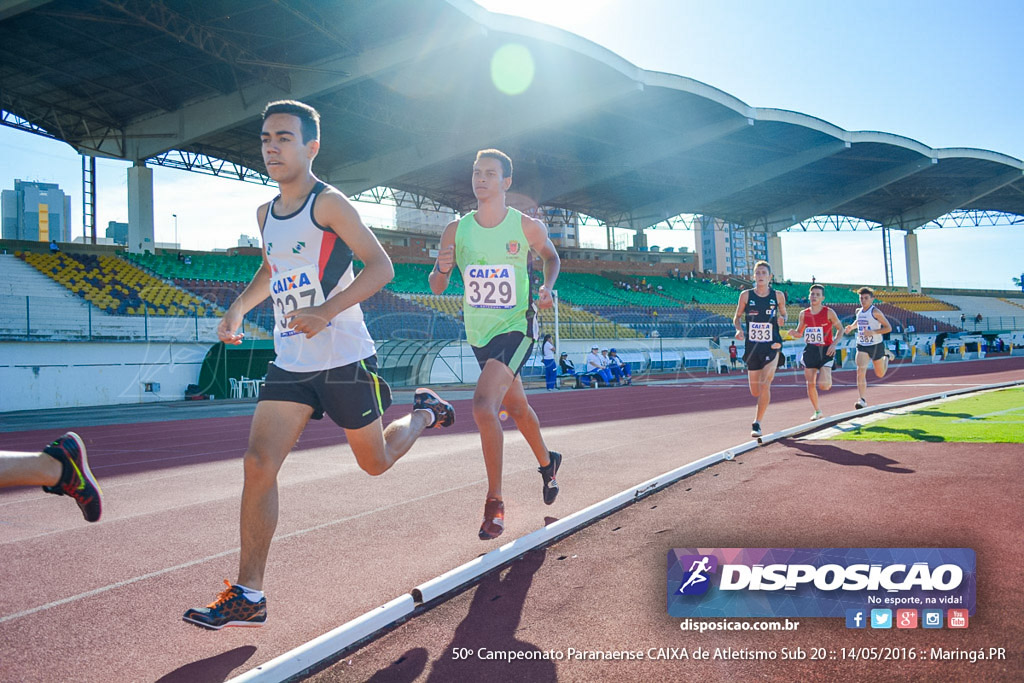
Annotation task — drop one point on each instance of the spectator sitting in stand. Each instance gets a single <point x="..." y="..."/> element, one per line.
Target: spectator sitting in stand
<point x="596" y="367"/>
<point x="606" y="363"/>
<point x="565" y="365"/>
<point x="620" y="370"/>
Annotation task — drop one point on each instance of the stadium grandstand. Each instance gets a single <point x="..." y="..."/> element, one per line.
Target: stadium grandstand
<point x="803" y="168"/>
<point x="601" y="304"/>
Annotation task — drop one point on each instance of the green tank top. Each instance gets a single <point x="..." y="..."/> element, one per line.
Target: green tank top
<point x="494" y="264"/>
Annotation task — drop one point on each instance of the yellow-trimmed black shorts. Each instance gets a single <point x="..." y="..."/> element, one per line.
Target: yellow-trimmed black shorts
<point x="352" y="395"/>
<point x="511" y="349"/>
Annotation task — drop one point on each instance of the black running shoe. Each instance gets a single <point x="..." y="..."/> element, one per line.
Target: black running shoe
<point x="444" y="412"/>
<point x="548" y="475"/>
<point x="76" y="478"/>
<point x="231" y="608"/>
<point x="755" y="430"/>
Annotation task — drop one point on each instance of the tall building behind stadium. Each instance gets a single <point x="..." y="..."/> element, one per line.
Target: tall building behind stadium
<point x="39" y="212"/>
<point x="726" y="248"/>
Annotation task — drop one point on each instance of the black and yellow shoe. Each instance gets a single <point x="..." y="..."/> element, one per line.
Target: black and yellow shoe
<point x="231" y="608"/>
<point x="76" y="479"/>
<point x="444" y="412"/>
<point x="548" y="475"/>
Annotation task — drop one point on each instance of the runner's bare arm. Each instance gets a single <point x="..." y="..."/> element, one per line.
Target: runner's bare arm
<point x="255" y="292"/>
<point x="852" y="326"/>
<point x="801" y="324"/>
<point x="886" y="328"/>
<point x="536" y="234"/>
<point x="333" y="210"/>
<point x="439" y="276"/>
<point x="738" y="317"/>
<point x="833" y="320"/>
<point x="780" y="297"/>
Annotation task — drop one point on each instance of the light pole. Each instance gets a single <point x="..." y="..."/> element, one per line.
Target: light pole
<point x="176" y="243"/>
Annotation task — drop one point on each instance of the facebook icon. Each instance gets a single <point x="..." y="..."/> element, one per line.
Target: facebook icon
<point x="856" y="618"/>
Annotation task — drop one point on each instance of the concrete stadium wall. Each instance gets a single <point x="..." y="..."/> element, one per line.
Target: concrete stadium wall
<point x="41" y="375"/>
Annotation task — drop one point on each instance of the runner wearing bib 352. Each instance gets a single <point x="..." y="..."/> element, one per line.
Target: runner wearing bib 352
<point x="870" y="325"/>
<point x="761" y="310"/>
<point x="817" y="326"/>
<point x="491" y="248"/>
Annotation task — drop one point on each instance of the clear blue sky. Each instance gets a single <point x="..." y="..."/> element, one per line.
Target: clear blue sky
<point x="946" y="73"/>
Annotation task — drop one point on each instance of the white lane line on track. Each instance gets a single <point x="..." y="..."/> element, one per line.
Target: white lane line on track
<point x="192" y="563"/>
<point x="300" y="532"/>
<point x="292" y="534"/>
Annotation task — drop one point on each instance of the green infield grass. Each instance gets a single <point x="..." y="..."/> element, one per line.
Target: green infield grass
<point x="992" y="417"/>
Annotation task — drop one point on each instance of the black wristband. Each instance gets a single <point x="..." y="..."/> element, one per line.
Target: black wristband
<point x="442" y="272"/>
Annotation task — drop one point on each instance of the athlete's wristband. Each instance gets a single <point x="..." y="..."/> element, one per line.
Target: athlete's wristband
<point x="442" y="272"/>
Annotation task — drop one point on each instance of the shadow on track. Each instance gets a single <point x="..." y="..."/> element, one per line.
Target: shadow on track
<point x="841" y="456"/>
<point x="212" y="669"/>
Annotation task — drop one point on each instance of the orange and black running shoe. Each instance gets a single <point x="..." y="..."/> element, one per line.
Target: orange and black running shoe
<point x="494" y="519"/>
<point x="231" y="608"/>
<point x="444" y="412"/>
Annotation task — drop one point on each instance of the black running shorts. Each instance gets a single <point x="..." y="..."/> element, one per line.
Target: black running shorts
<point x="352" y="395"/>
<point x="875" y="351"/>
<point x="815" y="357"/>
<point x="511" y="349"/>
<point x="758" y="355"/>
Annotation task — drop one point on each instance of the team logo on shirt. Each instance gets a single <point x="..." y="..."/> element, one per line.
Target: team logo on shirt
<point x="270" y="245"/>
<point x="299" y="246"/>
<point x="512" y="247"/>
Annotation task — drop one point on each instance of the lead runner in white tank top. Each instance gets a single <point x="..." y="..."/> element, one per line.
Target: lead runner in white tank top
<point x="310" y="264"/>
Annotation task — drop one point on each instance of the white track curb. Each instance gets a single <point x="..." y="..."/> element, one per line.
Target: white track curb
<point x="321" y="648"/>
<point x="328" y="645"/>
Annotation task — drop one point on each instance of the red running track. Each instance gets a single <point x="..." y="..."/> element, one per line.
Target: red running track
<point x="103" y="602"/>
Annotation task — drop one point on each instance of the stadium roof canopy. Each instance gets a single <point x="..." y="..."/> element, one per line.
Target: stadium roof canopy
<point x="406" y="93"/>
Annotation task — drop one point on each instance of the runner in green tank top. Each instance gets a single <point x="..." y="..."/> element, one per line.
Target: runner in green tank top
<point x="490" y="246"/>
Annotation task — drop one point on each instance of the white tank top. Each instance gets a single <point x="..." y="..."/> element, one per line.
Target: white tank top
<point x="309" y="264"/>
<point x="866" y="323"/>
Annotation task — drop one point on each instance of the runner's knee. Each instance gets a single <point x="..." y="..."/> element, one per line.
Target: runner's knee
<point x="484" y="409"/>
<point x="259" y="464"/>
<point x="373" y="466"/>
<point x="519" y="411"/>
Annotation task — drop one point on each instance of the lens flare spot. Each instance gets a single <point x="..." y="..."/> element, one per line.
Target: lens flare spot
<point x="503" y="415"/>
<point x="512" y="68"/>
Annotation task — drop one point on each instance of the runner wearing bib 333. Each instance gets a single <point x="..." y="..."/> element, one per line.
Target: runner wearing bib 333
<point x="325" y="361"/>
<point x="761" y="309"/>
<point x="491" y="248"/>
<point x="870" y="324"/>
<point x="821" y="331"/>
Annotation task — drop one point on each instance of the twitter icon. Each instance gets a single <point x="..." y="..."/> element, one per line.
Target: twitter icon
<point x="881" y="618"/>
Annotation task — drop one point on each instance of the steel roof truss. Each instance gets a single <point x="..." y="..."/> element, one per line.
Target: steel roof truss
<point x="939" y="207"/>
<point x="796" y="213"/>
